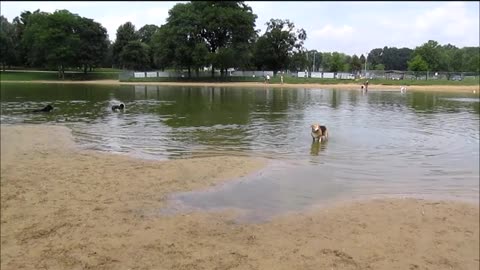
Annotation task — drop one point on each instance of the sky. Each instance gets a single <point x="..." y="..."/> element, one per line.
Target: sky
<point x="348" y="27"/>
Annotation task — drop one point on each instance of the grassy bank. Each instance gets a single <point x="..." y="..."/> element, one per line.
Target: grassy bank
<point x="112" y="74"/>
<point x="293" y="80"/>
<point x="53" y="76"/>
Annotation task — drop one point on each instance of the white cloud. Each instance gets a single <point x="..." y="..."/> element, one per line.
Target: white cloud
<point x="350" y="27"/>
<point x="329" y="31"/>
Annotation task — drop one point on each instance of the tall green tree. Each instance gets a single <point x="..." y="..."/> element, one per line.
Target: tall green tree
<point x="146" y="33"/>
<point x="356" y="64"/>
<point x="8" y="49"/>
<point x="163" y="47"/>
<point x="279" y="42"/>
<point x="336" y="64"/>
<point x="33" y="38"/>
<point x="395" y="59"/>
<point x="125" y="33"/>
<point x="430" y="53"/>
<point x="135" y="55"/>
<point x="175" y="42"/>
<point x="53" y="40"/>
<point x="93" y="44"/>
<point x="471" y="59"/>
<point x="224" y="24"/>
<point x="375" y="56"/>
<point x="417" y="65"/>
<point x="146" y="36"/>
<point x="20" y="23"/>
<point x="298" y="61"/>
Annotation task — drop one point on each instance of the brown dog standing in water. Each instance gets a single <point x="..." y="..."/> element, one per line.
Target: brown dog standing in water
<point x="319" y="133"/>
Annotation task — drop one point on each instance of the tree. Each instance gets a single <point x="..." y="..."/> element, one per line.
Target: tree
<point x="8" y="50"/>
<point x="33" y="37"/>
<point x="93" y="43"/>
<point x="314" y="60"/>
<point x="298" y="61"/>
<point x="337" y="64"/>
<point x="224" y="24"/>
<point x="146" y="33"/>
<point x="20" y="23"/>
<point x="200" y="56"/>
<point x="146" y="36"/>
<point x="125" y="33"/>
<point x="52" y="40"/>
<point x="356" y="64"/>
<point x="107" y="60"/>
<point x="430" y="53"/>
<point x="362" y="59"/>
<point x="395" y="59"/>
<point x="163" y="47"/>
<point x="135" y="55"/>
<point x="278" y="43"/>
<point x="175" y="43"/>
<point x="417" y="64"/>
<point x="375" y="56"/>
<point x="471" y="59"/>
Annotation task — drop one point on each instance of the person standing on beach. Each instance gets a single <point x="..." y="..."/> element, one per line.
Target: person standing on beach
<point x="268" y="78"/>
<point x="281" y="78"/>
<point x="366" y="86"/>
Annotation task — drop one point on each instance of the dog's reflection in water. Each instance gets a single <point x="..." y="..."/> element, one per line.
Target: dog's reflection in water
<point x="317" y="147"/>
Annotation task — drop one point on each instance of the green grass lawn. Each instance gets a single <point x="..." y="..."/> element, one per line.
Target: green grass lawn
<point x="53" y="76"/>
<point x="293" y="80"/>
<point x="112" y="74"/>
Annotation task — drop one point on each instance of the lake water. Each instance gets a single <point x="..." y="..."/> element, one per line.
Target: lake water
<point x="381" y="143"/>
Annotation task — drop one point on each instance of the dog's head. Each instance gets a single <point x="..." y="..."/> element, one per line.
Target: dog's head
<point x="315" y="128"/>
<point x="121" y="106"/>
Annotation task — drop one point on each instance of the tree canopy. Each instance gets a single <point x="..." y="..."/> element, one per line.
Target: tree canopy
<point x="202" y="34"/>
<point x="277" y="45"/>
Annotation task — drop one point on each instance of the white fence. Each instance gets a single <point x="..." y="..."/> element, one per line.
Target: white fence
<point x="326" y="75"/>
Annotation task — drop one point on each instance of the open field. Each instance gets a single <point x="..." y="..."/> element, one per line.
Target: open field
<point x="112" y="74"/>
<point x="293" y="80"/>
<point x="53" y="76"/>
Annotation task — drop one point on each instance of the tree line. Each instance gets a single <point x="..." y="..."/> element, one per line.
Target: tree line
<point x="198" y="34"/>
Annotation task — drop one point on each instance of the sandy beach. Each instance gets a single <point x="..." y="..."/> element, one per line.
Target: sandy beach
<point x="66" y="208"/>
<point x="372" y="87"/>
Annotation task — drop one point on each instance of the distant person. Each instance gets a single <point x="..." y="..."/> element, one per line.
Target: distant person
<point x="366" y="86"/>
<point x="281" y="79"/>
<point x="268" y="78"/>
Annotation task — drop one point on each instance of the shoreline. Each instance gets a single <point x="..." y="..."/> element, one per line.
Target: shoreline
<point x="345" y="86"/>
<point x="65" y="208"/>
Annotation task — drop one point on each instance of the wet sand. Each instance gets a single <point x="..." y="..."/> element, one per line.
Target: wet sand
<point x="346" y="86"/>
<point x="65" y="208"/>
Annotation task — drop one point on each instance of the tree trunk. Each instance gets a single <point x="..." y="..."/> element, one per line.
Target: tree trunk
<point x="189" y="72"/>
<point x="91" y="68"/>
<point x="213" y="72"/>
<point x="197" y="72"/>
<point x="85" y="69"/>
<point x="221" y="72"/>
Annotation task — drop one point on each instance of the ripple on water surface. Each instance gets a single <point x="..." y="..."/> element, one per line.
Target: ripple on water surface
<point x="382" y="143"/>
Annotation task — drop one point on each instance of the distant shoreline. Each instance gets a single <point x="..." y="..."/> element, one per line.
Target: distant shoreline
<point x="344" y="86"/>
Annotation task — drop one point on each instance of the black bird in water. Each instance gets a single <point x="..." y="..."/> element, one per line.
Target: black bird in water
<point x="118" y="107"/>
<point x="47" y="108"/>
